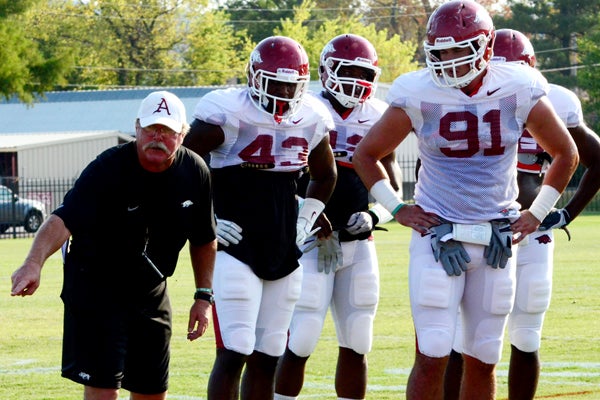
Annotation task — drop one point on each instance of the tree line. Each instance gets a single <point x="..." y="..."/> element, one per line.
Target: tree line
<point x="98" y="44"/>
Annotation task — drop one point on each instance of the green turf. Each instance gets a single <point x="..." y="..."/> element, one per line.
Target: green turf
<point x="31" y="329"/>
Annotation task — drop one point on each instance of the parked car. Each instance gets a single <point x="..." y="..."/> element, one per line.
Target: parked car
<point x="18" y="211"/>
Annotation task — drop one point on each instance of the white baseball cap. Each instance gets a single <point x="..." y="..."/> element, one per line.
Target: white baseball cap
<point x="162" y="108"/>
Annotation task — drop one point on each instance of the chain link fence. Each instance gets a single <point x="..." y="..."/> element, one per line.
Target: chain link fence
<point x="25" y="203"/>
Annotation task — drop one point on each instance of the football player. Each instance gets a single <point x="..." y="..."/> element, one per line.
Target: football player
<point x="535" y="255"/>
<point x="340" y="269"/>
<point x="468" y="116"/>
<point x="261" y="139"/>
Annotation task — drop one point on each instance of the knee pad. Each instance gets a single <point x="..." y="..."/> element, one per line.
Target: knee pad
<point x="526" y="340"/>
<point x="434" y="342"/>
<point x="487" y="347"/>
<point x="435" y="291"/>
<point x="239" y="339"/>
<point x="359" y="333"/>
<point x="304" y="334"/>
<point x="273" y="344"/>
<point x="525" y="330"/>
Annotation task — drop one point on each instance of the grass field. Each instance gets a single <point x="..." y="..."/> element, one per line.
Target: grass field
<point x="31" y="329"/>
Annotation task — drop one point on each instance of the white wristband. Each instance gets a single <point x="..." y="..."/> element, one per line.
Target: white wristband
<point x="311" y="209"/>
<point x="382" y="214"/>
<point x="385" y="194"/>
<point x="544" y="202"/>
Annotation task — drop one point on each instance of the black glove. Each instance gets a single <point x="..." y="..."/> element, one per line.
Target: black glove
<point x="499" y="250"/>
<point x="451" y="254"/>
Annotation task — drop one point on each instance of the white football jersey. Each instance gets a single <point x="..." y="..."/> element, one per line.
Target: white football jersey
<point x="568" y="107"/>
<point x="468" y="144"/>
<point x="253" y="138"/>
<point x="351" y="128"/>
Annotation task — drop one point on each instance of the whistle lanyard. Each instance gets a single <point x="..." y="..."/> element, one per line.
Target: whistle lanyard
<point x="145" y="255"/>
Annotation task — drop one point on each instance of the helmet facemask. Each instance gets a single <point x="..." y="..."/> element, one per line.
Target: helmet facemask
<point x="267" y="99"/>
<point x="349" y="91"/>
<point x="444" y="73"/>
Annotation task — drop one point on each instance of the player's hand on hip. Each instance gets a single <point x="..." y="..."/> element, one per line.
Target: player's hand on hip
<point x="359" y="222"/>
<point x="228" y="232"/>
<point x="523" y="226"/>
<point x="415" y="217"/>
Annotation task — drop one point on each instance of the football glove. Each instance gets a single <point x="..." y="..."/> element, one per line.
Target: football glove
<point x="557" y="218"/>
<point x="450" y="253"/>
<point x="359" y="222"/>
<point x="228" y="232"/>
<point x="330" y="254"/>
<point x="499" y="250"/>
<point x="308" y="214"/>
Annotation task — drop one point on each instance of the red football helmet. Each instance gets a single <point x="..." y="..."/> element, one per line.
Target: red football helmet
<point x="458" y="24"/>
<point x="277" y="62"/>
<point x="348" y="87"/>
<point x="513" y="46"/>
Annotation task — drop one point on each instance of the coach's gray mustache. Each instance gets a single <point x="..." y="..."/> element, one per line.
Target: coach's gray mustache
<point x="156" y="145"/>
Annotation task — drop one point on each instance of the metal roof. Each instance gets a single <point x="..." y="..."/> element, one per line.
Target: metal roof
<point x="19" y="141"/>
<point x="86" y="110"/>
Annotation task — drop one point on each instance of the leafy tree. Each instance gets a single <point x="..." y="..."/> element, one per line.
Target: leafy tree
<point x="215" y="50"/>
<point x="25" y="69"/>
<point x="553" y="27"/>
<point x="259" y="18"/>
<point x="395" y="56"/>
<point x="588" y="77"/>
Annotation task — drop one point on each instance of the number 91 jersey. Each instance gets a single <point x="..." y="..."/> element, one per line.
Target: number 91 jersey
<point x="254" y="139"/>
<point x="468" y="144"/>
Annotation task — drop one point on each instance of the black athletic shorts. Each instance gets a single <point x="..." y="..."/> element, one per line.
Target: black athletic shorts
<point x="113" y="343"/>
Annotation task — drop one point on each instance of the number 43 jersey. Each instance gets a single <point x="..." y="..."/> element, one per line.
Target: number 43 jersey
<point x="255" y="171"/>
<point x="254" y="139"/>
<point x="468" y="144"/>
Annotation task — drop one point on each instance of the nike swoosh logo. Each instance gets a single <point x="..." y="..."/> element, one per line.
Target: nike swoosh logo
<point x="187" y="203"/>
<point x="362" y="121"/>
<point x="132" y="208"/>
<point x="297" y="121"/>
<point x="491" y="92"/>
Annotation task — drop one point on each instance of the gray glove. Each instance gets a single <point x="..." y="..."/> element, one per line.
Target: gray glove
<point x="359" y="222"/>
<point x="228" y="232"/>
<point x="499" y="250"/>
<point x="451" y="253"/>
<point x="330" y="254"/>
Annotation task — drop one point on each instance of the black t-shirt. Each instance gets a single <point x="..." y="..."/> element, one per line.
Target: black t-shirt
<point x="263" y="203"/>
<point x="116" y="209"/>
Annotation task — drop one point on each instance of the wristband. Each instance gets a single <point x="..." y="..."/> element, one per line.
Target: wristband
<point x="204" y="294"/>
<point x="311" y="209"/>
<point x="544" y="202"/>
<point x="383" y="216"/>
<point x="385" y="194"/>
